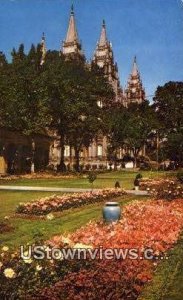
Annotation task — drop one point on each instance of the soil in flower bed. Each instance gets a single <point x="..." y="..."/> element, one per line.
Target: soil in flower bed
<point x="60" y="203"/>
<point x="5" y="227"/>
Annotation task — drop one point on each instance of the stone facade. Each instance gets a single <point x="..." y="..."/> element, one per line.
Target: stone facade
<point x="16" y="152"/>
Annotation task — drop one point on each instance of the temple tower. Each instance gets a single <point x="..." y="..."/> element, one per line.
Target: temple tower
<point x="134" y="93"/>
<point x="104" y="59"/>
<point x="71" y="47"/>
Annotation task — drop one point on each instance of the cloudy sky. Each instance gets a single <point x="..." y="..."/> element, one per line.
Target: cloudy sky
<point x="150" y="29"/>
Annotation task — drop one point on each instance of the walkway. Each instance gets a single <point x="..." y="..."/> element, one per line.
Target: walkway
<point x="62" y="190"/>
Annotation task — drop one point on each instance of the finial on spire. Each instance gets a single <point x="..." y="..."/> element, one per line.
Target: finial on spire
<point x="135" y="68"/>
<point x="43" y="36"/>
<point x="103" y="35"/>
<point x="72" y="9"/>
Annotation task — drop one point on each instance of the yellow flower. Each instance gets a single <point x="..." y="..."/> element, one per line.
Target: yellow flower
<point x="5" y="248"/>
<point x="50" y="216"/>
<point x="9" y="273"/>
<point x="82" y="246"/>
<point x="38" y="268"/>
<point x="27" y="261"/>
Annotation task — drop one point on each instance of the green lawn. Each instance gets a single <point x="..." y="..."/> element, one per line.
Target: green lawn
<point x="25" y="229"/>
<point x="104" y="180"/>
<point x="167" y="282"/>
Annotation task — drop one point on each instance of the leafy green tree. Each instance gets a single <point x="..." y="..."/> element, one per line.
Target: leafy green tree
<point x="130" y="128"/>
<point x="72" y="92"/>
<point x="168" y="104"/>
<point x="21" y="105"/>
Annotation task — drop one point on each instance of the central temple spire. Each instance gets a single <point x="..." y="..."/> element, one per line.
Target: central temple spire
<point x="71" y="46"/>
<point x="104" y="59"/>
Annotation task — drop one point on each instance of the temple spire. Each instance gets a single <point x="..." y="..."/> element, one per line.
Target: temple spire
<point x="103" y="36"/>
<point x="43" y="49"/>
<point x="104" y="59"/>
<point x="71" y="47"/>
<point x="135" y="68"/>
<point x="134" y="92"/>
<point x="72" y="35"/>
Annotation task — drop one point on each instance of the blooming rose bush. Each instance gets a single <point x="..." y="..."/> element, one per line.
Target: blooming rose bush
<point x="23" y="278"/>
<point x="55" y="203"/>
<point x="163" y="188"/>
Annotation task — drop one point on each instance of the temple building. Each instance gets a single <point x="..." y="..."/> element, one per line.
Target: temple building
<point x="134" y="93"/>
<point x="15" y="150"/>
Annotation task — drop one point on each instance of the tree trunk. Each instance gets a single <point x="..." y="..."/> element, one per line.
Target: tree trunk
<point x="135" y="155"/>
<point x="62" y="167"/>
<point x="77" y="167"/>
<point x="33" y="147"/>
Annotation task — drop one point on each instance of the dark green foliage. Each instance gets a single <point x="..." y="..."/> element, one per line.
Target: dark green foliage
<point x="92" y="177"/>
<point x="168" y="103"/>
<point x="180" y="176"/>
<point x="139" y="176"/>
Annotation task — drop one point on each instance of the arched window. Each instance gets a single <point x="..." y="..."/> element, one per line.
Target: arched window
<point x="99" y="150"/>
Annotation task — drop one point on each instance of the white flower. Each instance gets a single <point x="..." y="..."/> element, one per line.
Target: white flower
<point x="9" y="273"/>
<point x="5" y="248"/>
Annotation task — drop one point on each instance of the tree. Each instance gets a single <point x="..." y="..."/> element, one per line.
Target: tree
<point x="72" y="92"/>
<point x="130" y="128"/>
<point x="168" y="104"/>
<point x="117" y="120"/>
<point x="21" y="105"/>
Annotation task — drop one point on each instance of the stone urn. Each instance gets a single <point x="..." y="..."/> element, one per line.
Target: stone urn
<point x="111" y="212"/>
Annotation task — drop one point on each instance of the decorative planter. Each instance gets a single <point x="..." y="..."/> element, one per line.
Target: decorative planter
<point x="111" y="212"/>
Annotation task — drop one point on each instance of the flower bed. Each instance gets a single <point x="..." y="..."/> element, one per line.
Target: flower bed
<point x="39" y="175"/>
<point x="59" y="203"/>
<point x="163" y="188"/>
<point x="149" y="184"/>
<point x="154" y="225"/>
<point x="145" y="224"/>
